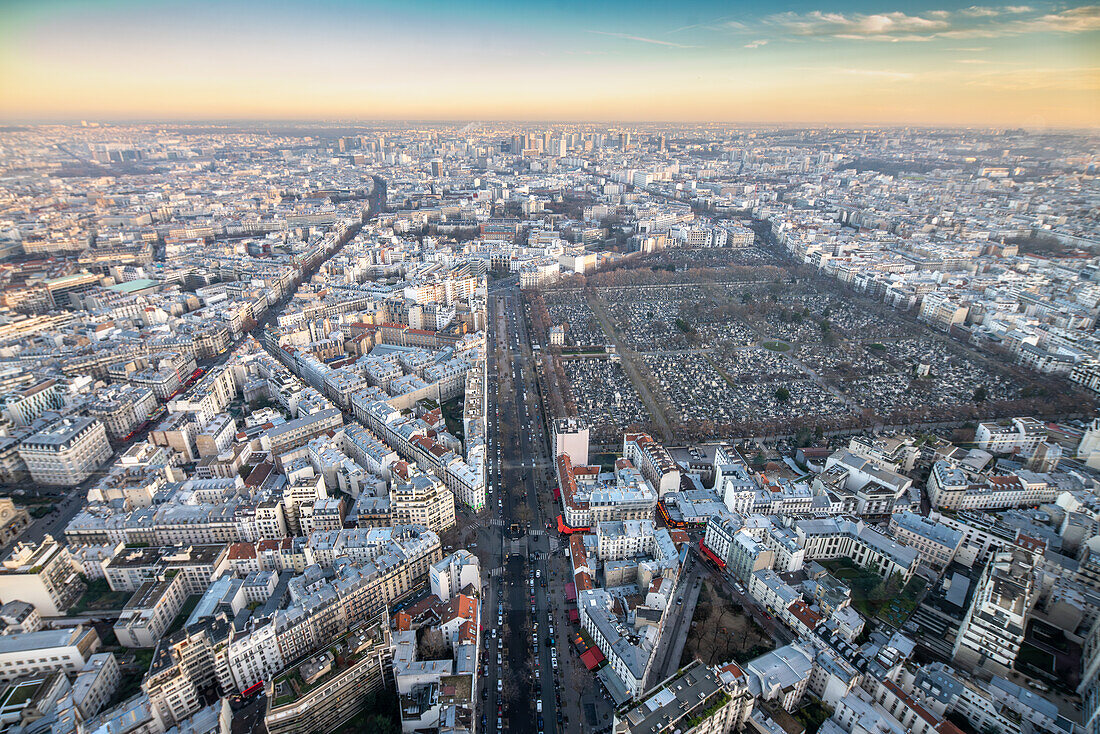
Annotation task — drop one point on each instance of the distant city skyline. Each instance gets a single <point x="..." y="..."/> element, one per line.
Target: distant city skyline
<point x="851" y="63"/>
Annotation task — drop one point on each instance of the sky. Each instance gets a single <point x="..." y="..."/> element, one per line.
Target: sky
<point x="810" y="61"/>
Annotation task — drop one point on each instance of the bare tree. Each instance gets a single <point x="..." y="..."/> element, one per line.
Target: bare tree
<point x="433" y="645"/>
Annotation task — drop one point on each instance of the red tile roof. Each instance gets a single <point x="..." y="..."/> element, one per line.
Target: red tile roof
<point x="241" y="551"/>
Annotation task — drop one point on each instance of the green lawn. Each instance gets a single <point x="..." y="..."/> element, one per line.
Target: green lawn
<point x="132" y="675"/>
<point x="99" y="597"/>
<point x="873" y="596"/>
<point x="898" y="609"/>
<point x="812" y="715"/>
<point x="143" y="658"/>
<point x="22" y="693"/>
<point x="1031" y="656"/>
<point x="380" y="715"/>
<point x="452" y="416"/>
<point x="774" y="345"/>
<point x="129" y="685"/>
<point x="185" y="612"/>
<point x="606" y="461"/>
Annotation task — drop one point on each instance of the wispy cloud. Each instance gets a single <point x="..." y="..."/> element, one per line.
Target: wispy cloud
<point x="971" y="61"/>
<point x="1073" y="20"/>
<point x="975" y="21"/>
<point x="716" y="24"/>
<point x="756" y="44"/>
<point x="980" y="11"/>
<point x="641" y="39"/>
<point x="883" y="74"/>
<point x="1070" y="80"/>
<point x="878" y="26"/>
<point x="894" y="76"/>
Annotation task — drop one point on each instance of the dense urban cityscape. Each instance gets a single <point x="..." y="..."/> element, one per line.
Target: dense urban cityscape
<point x="546" y="427"/>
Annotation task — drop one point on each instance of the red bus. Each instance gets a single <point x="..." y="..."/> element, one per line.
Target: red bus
<point x="252" y="690"/>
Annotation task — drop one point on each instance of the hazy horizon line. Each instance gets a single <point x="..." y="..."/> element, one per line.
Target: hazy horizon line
<point x="89" y="120"/>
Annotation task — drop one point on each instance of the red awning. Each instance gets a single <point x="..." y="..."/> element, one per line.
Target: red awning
<point x="566" y="530"/>
<point x="710" y="554"/>
<point x="574" y="615"/>
<point x="557" y="493"/>
<point x="570" y="591"/>
<point x="592" y="658"/>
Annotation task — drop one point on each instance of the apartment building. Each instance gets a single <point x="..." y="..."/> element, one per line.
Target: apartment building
<point x="1022" y="435"/>
<point x="329" y="688"/>
<point x="22" y="407"/>
<point x="131" y="567"/>
<point x="629" y="651"/>
<point x="46" y="651"/>
<point x="942" y="311"/>
<point x="43" y="575"/>
<point x="122" y="408"/>
<point x="300" y="431"/>
<point x="782" y="675"/>
<point x="192" y="660"/>
<point x="896" y="453"/>
<point x="454" y="573"/>
<point x="571" y="437"/>
<point x="936" y="543"/>
<point x="954" y="489"/>
<point x="747" y="555"/>
<point x="719" y="534"/>
<point x="218" y="435"/>
<point x="993" y="628"/>
<point x="830" y="538"/>
<point x="254" y="655"/>
<point x="996" y="703"/>
<point x="697" y="700"/>
<point x="66" y="452"/>
<point x="147" y="614"/>
<point x="653" y="460"/>
<point x="590" y="496"/>
<point x="874" y="488"/>
<point x="96" y="683"/>
<point x="422" y="500"/>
